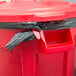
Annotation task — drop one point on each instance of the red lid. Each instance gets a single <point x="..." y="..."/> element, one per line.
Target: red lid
<point x="23" y="11"/>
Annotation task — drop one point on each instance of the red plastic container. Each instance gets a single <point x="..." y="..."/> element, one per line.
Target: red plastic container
<point x="27" y="59"/>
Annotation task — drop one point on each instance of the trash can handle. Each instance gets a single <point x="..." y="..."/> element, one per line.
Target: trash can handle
<point x="62" y="47"/>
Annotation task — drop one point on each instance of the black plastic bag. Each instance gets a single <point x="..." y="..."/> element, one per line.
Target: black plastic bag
<point x="28" y="35"/>
<point x="62" y="24"/>
<point x="20" y="37"/>
<point x="19" y="25"/>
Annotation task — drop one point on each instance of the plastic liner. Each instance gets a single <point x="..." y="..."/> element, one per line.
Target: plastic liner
<point x="20" y="37"/>
<point x="57" y="25"/>
<point x="28" y="35"/>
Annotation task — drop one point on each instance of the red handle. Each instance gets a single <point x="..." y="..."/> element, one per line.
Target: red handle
<point x="56" y="41"/>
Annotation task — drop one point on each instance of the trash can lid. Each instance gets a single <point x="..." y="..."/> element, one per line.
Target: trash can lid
<point x="23" y="11"/>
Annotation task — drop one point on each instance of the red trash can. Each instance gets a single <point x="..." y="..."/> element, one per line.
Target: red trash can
<point x="30" y="58"/>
